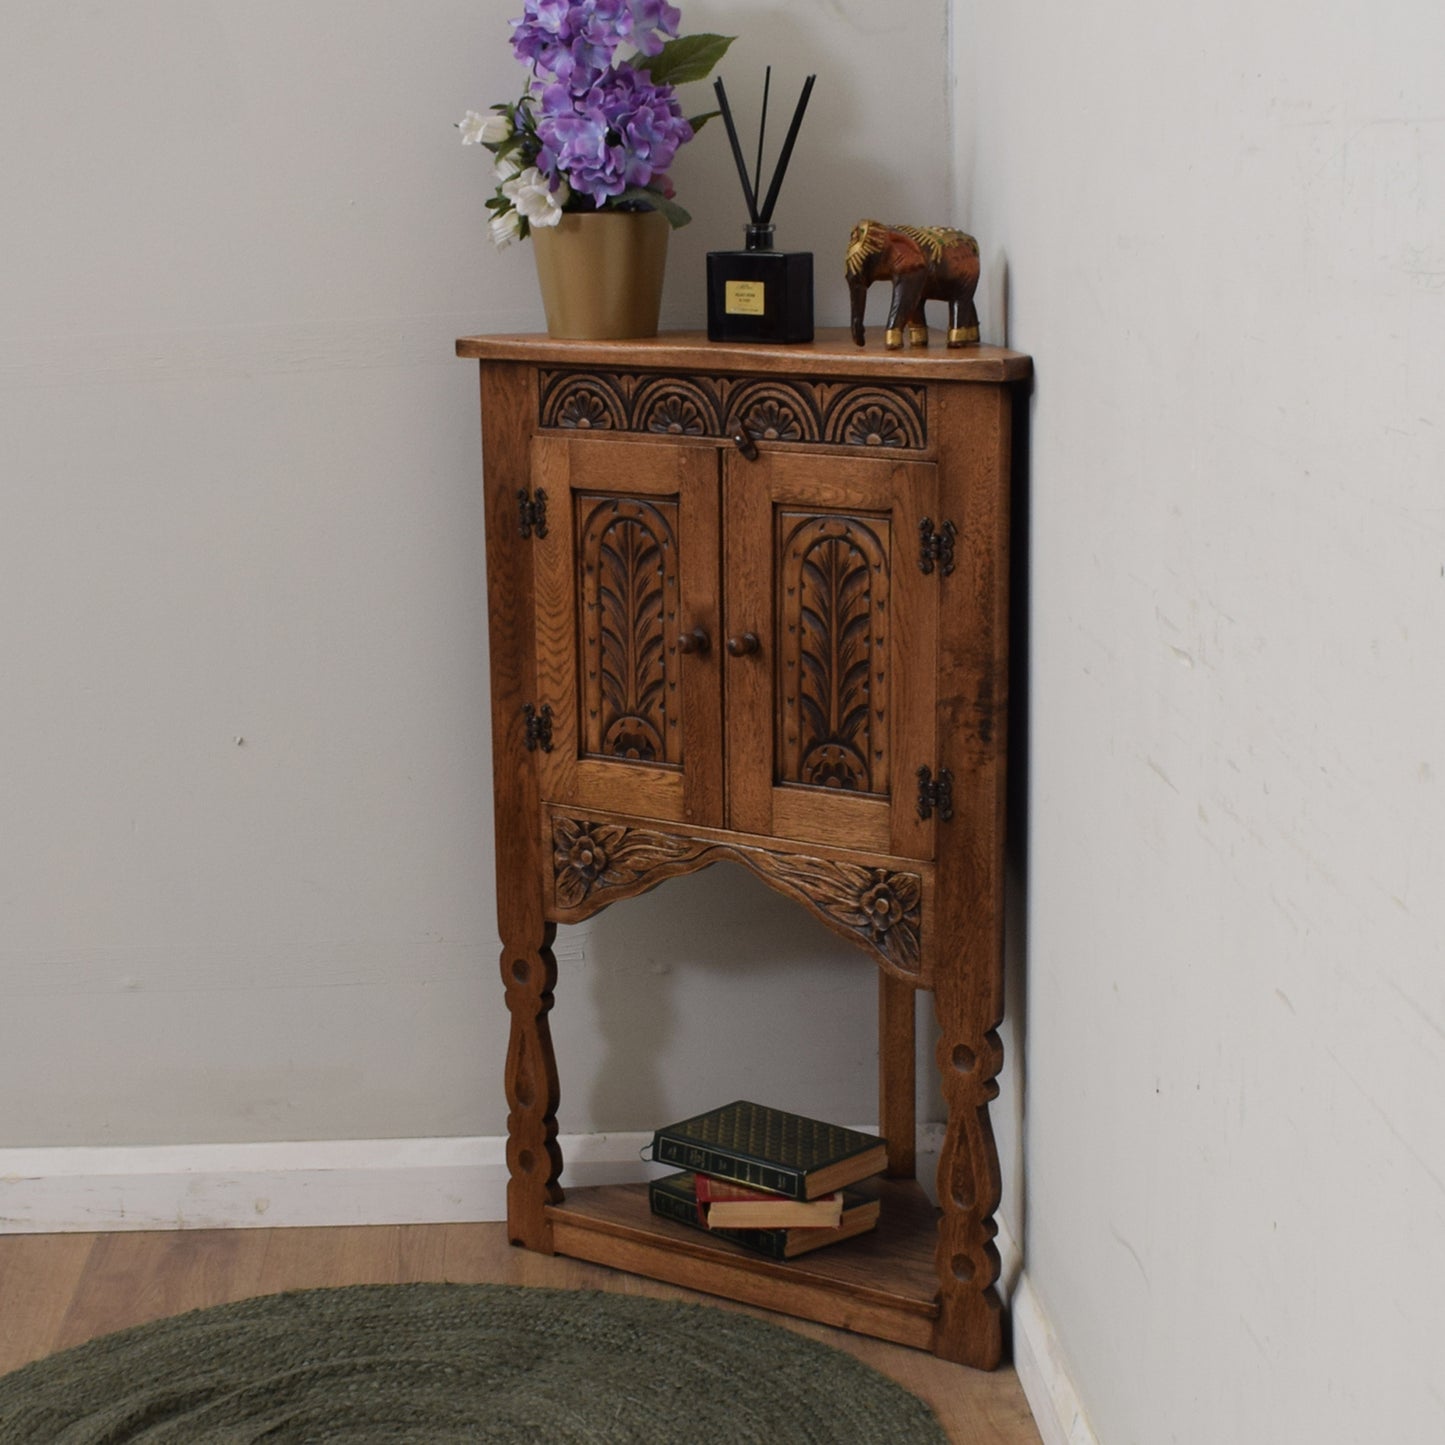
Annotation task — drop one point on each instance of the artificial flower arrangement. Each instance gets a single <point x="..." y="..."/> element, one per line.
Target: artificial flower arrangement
<point x="592" y="132"/>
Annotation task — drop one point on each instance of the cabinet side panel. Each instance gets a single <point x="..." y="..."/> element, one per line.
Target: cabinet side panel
<point x="974" y="650"/>
<point x="912" y="643"/>
<point x="507" y="415"/>
<point x="973" y="684"/>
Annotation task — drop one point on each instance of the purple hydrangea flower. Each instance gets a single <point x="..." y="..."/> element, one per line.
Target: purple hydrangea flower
<point x="648" y="18"/>
<point x="622" y="131"/>
<point x="575" y="41"/>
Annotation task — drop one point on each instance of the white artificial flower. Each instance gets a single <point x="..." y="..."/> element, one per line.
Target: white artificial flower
<point x="530" y="193"/>
<point x="504" y="229"/>
<point x="506" y="167"/>
<point x="478" y="129"/>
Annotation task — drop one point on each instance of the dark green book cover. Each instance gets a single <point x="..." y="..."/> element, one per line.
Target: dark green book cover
<point x="770" y="1149"/>
<point x="675" y="1197"/>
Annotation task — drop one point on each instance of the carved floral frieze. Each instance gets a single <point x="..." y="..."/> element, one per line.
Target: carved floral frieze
<point x="839" y="413"/>
<point x="880" y="907"/>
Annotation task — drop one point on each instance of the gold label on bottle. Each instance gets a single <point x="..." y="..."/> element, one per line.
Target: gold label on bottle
<point x="744" y="298"/>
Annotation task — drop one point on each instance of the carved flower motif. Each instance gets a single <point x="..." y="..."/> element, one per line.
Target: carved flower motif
<point x="886" y="903"/>
<point x="888" y="909"/>
<point x="875" y="426"/>
<point x="585" y="856"/>
<point x="581" y="856"/>
<point x="586" y="411"/>
<point x="589" y="858"/>
<point x="677" y="415"/>
<point x="770" y="421"/>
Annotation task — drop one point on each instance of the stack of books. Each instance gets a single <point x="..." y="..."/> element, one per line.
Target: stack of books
<point x="773" y="1182"/>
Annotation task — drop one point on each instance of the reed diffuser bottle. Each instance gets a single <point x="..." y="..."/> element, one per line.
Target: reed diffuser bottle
<point x="760" y="293"/>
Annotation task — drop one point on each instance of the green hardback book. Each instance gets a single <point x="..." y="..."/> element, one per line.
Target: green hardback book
<point x="770" y="1149"/>
<point x="675" y="1197"/>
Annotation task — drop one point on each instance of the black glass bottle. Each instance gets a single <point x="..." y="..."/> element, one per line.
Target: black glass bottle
<point x="758" y="293"/>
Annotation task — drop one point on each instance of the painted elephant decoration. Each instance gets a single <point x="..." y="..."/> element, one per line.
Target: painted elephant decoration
<point x="925" y="263"/>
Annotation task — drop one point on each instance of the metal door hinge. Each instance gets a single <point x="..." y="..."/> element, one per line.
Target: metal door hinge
<point x="538" y="727"/>
<point x="935" y="793"/>
<point x="936" y="547"/>
<point x="532" y="507"/>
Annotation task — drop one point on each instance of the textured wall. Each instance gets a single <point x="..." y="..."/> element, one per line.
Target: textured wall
<point x="1219" y="232"/>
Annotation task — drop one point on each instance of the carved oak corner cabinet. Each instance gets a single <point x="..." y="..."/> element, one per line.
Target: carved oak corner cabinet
<point x="750" y="604"/>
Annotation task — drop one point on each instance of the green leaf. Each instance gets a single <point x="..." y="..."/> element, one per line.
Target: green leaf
<point x="689" y="57"/>
<point x="698" y="121"/>
<point x="640" y="198"/>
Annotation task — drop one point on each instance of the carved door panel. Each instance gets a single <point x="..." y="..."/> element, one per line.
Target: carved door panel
<point x="827" y="725"/>
<point x="627" y="607"/>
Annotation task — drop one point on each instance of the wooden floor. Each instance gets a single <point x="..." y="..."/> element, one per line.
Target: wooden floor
<point x="58" y="1290"/>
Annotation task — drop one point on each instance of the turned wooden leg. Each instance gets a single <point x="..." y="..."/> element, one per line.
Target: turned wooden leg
<point x="970" y="1324"/>
<point x="534" y="1160"/>
<point x="897" y="1085"/>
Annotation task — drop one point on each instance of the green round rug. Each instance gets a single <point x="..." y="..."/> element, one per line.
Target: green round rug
<point x="437" y="1363"/>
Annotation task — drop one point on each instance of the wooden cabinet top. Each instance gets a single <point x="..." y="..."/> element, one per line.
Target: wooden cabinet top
<point x="833" y="353"/>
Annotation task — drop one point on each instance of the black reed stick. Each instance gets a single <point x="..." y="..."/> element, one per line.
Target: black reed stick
<point x="727" y="115"/>
<point x="762" y="131"/>
<point x="766" y="218"/>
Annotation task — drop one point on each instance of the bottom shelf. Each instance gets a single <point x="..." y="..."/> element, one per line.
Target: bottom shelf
<point x="882" y="1283"/>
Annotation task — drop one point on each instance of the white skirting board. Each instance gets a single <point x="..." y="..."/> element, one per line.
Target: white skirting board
<point x="1042" y="1370"/>
<point x="313" y="1182"/>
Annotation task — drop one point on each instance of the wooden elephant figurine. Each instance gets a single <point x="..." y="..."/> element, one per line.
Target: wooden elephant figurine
<point x="925" y="263"/>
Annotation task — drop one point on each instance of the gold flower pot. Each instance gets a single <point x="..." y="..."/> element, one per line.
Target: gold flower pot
<point x="601" y="273"/>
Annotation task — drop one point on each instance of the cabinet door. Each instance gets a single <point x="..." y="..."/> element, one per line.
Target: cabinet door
<point x="626" y="582"/>
<point x="834" y="711"/>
